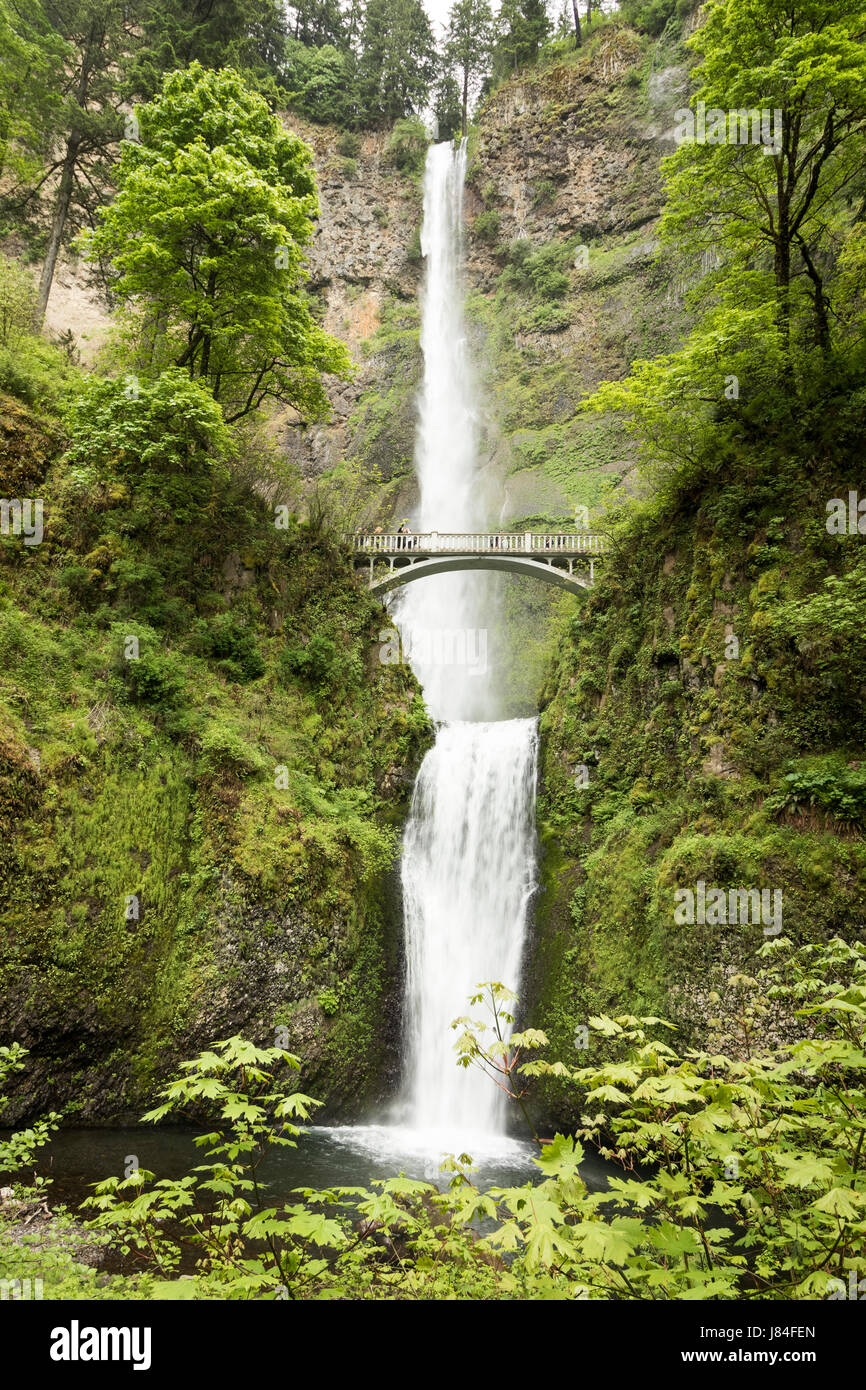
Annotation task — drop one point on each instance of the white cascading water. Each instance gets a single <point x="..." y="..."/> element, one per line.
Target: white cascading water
<point x="468" y="875"/>
<point x="468" y="866"/>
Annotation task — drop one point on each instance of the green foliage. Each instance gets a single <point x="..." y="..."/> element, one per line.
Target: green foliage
<point x="826" y="784"/>
<point x="543" y="190"/>
<point x="154" y="678"/>
<point x="320" y="83"/>
<point x="468" y="48"/>
<point x="413" y="251"/>
<point x="156" y="777"/>
<point x="17" y="1152"/>
<point x="233" y="645"/>
<point x="329" y="1002"/>
<point x="17" y="304"/>
<point x="224" y="750"/>
<point x="73" y="60"/>
<point x="741" y="1174"/>
<point x="651" y="16"/>
<point x="397" y="63"/>
<point x="537" y="271"/>
<point x="763" y="211"/>
<point x="406" y="147"/>
<point x="32" y="53"/>
<point x="751" y="1184"/>
<point x="320" y="662"/>
<point x="349" y="145"/>
<point x="523" y="28"/>
<point x="486" y="227"/>
<point x="220" y="199"/>
<point x="38" y="373"/>
<point x="245" y="34"/>
<point x="166" y="437"/>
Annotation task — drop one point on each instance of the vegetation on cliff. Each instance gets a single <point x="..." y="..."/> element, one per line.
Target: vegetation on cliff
<point x="705" y="720"/>
<point x="203" y="764"/>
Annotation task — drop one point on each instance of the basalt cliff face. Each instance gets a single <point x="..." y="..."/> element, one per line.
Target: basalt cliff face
<point x="563" y="197"/>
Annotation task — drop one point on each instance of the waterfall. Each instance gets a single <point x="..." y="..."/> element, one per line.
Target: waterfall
<point x="468" y="874"/>
<point x="468" y="867"/>
<point x="449" y="615"/>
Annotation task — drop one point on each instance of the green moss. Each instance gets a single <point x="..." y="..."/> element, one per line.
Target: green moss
<point x="741" y="770"/>
<point x="195" y="835"/>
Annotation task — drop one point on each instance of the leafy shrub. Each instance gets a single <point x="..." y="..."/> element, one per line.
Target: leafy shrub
<point x="542" y="192"/>
<point x="329" y="1002"/>
<point x="741" y="1177"/>
<point x="155" y="677"/>
<point x="538" y="272"/>
<point x="407" y="145"/>
<point x="349" y="145"/>
<point x="350" y="168"/>
<point x="827" y="784"/>
<point x="413" y="250"/>
<point x="77" y="581"/>
<point x="319" y="82"/>
<point x="167" y="436"/>
<point x="651" y="16"/>
<point x="223" y="750"/>
<point x="17" y="303"/>
<point x="486" y="226"/>
<point x="37" y="373"/>
<point x="319" y="662"/>
<point x="232" y="644"/>
<point x="549" y="318"/>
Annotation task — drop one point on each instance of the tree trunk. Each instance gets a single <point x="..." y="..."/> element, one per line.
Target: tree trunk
<point x="578" y="37"/>
<point x="205" y="352"/>
<point x="89" y="56"/>
<point x="465" y="97"/>
<point x="589" y="14"/>
<point x="819" y="300"/>
<point x="58" y="223"/>
<point x="4" y="140"/>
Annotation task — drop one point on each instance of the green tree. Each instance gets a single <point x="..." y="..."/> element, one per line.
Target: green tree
<point x="206" y="239"/>
<point x="468" y="46"/>
<point x="782" y="207"/>
<point x="523" y="27"/>
<point x="320" y="82"/>
<point x="318" y="22"/>
<point x="32" y="57"/>
<point x="245" y="34"/>
<point x="398" y="60"/>
<point x="94" y="38"/>
<point x="448" y="107"/>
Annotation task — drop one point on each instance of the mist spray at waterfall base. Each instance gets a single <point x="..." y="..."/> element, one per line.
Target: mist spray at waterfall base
<point x="469" y="852"/>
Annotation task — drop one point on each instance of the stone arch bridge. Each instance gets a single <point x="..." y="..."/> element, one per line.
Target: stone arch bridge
<point x="564" y="559"/>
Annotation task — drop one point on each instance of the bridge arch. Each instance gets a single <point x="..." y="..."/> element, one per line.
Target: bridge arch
<point x="546" y="572"/>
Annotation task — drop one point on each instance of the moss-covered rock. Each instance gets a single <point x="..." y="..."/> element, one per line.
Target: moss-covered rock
<point x="197" y="836"/>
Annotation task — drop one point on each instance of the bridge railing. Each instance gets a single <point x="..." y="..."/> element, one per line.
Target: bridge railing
<point x="472" y="542"/>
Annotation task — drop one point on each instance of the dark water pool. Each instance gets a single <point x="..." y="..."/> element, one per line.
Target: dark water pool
<point x="325" y="1156"/>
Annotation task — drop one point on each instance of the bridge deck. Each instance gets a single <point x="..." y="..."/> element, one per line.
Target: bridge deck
<point x="527" y="543"/>
<point x="564" y="559"/>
